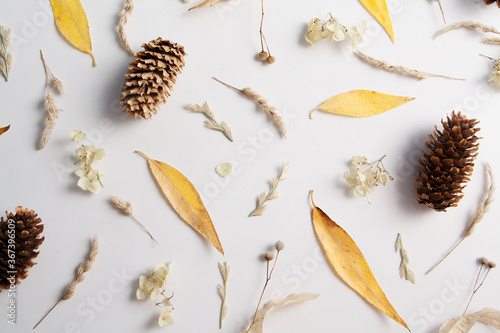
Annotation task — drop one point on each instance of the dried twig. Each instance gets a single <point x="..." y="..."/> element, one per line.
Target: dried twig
<point x="82" y="269"/>
<point x="404" y="271"/>
<point x="399" y="69"/>
<point x="478" y="216"/>
<point x="224" y="271"/>
<point x="211" y="123"/>
<point x="273" y="194"/>
<point x="126" y="207"/>
<point x="6" y="59"/>
<point x="469" y="25"/>
<point x="123" y="15"/>
<point x="489" y="265"/>
<point x="270" y="110"/>
<point x="49" y="105"/>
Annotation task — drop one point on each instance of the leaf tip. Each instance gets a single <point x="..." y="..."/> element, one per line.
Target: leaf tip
<point x="311" y="192"/>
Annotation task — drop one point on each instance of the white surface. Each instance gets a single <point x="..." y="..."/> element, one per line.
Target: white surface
<point x="224" y="44"/>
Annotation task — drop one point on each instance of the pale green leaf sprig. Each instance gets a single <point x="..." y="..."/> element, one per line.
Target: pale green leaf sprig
<point x="6" y="59"/>
<point x="332" y="30"/>
<point x="90" y="179"/>
<point x="153" y="286"/>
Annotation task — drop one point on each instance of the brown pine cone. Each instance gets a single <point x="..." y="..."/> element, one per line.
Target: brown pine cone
<point x="447" y="165"/>
<point x="489" y="2"/>
<point x="19" y="240"/>
<point x="151" y="77"/>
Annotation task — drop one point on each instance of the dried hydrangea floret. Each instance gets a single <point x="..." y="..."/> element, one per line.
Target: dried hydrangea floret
<point x="362" y="176"/>
<point x="332" y="30"/>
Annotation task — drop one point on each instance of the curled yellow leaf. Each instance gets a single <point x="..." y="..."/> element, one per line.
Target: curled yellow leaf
<point x="348" y="262"/>
<point x="72" y="22"/>
<point x="378" y="9"/>
<point x="361" y="103"/>
<point x="4" y="129"/>
<point x="184" y="199"/>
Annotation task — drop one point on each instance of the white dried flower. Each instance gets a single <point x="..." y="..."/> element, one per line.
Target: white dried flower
<point x="166" y="319"/>
<point x="362" y="176"/>
<point x="91" y="154"/>
<point x="495" y="76"/>
<point x="315" y="31"/>
<point x="91" y="181"/>
<point x="357" y="33"/>
<point x="77" y="136"/>
<point x="335" y="31"/>
<point x="153" y="284"/>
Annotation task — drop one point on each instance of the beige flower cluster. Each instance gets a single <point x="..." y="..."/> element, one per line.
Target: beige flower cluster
<point x="334" y="31"/>
<point x="362" y="176"/>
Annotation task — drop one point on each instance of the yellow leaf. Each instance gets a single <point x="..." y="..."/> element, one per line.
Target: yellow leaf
<point x="206" y="4"/>
<point x="71" y="21"/>
<point x="362" y="103"/>
<point x="184" y="199"/>
<point x="348" y="262"/>
<point x="4" y="129"/>
<point x="378" y="9"/>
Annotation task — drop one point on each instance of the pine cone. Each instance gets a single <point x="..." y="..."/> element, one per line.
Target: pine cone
<point x="489" y="2"/>
<point x="25" y="236"/>
<point x="151" y="77"/>
<point x="446" y="166"/>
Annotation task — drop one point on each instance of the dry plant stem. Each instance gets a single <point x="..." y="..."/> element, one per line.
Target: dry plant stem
<point x="262" y="37"/>
<point x="476" y="287"/>
<point x="492" y="40"/>
<point x="265" y="197"/>
<point x="124" y="14"/>
<point x="399" y="69"/>
<point x="478" y="216"/>
<point x="469" y="25"/>
<point x="146" y="230"/>
<point x="82" y="269"/>
<point x="268" y="277"/>
<point x="224" y="270"/>
<point x="442" y="11"/>
<point x="270" y="110"/>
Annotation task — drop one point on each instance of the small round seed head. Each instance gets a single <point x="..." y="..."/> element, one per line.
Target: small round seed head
<point x="492" y="264"/>
<point x="269" y="256"/>
<point x="484" y="261"/>
<point x="271" y="60"/>
<point x="279" y="245"/>
<point x="263" y="55"/>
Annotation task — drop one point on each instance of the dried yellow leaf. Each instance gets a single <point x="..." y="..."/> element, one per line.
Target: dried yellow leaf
<point x="71" y="21"/>
<point x="205" y="4"/>
<point x="361" y="103"/>
<point x="184" y="199"/>
<point x="4" y="129"/>
<point x="378" y="9"/>
<point x="348" y="262"/>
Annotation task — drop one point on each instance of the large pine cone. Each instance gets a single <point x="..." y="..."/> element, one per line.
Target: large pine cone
<point x="151" y="77"/>
<point x="489" y="2"/>
<point x="447" y="165"/>
<point x="24" y="235"/>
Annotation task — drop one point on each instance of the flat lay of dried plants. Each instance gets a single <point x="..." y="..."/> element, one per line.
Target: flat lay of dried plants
<point x="361" y="103"/>
<point x="72" y="23"/>
<point x="126" y="207"/>
<point x="448" y="162"/>
<point x="49" y="104"/>
<point x="264" y="105"/>
<point x="211" y="123"/>
<point x="20" y="234"/>
<point x="80" y="276"/>
<point x="347" y="260"/>
<point x="184" y="199"/>
<point x="6" y="58"/>
<point x="482" y="209"/>
<point x="153" y="286"/>
<point x="151" y="77"/>
<point x="264" y="197"/>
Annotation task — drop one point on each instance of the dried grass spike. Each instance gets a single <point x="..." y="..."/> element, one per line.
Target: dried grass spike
<point x="399" y="69"/>
<point x="468" y="25"/>
<point x="123" y="15"/>
<point x="82" y="269"/>
<point x="273" y="194"/>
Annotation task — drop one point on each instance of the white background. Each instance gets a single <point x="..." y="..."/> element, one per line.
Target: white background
<point x="223" y="42"/>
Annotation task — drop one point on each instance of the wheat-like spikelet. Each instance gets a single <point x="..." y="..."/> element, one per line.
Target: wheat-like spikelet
<point x="50" y="120"/>
<point x="469" y="25"/>
<point x="123" y="15"/>
<point x="224" y="271"/>
<point x="399" y="69"/>
<point x="404" y="271"/>
<point x="211" y="123"/>
<point x="264" y="104"/>
<point x="273" y="194"/>
<point x="492" y="40"/>
<point x="80" y="276"/>
<point x="126" y="207"/>
<point x="6" y="59"/>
